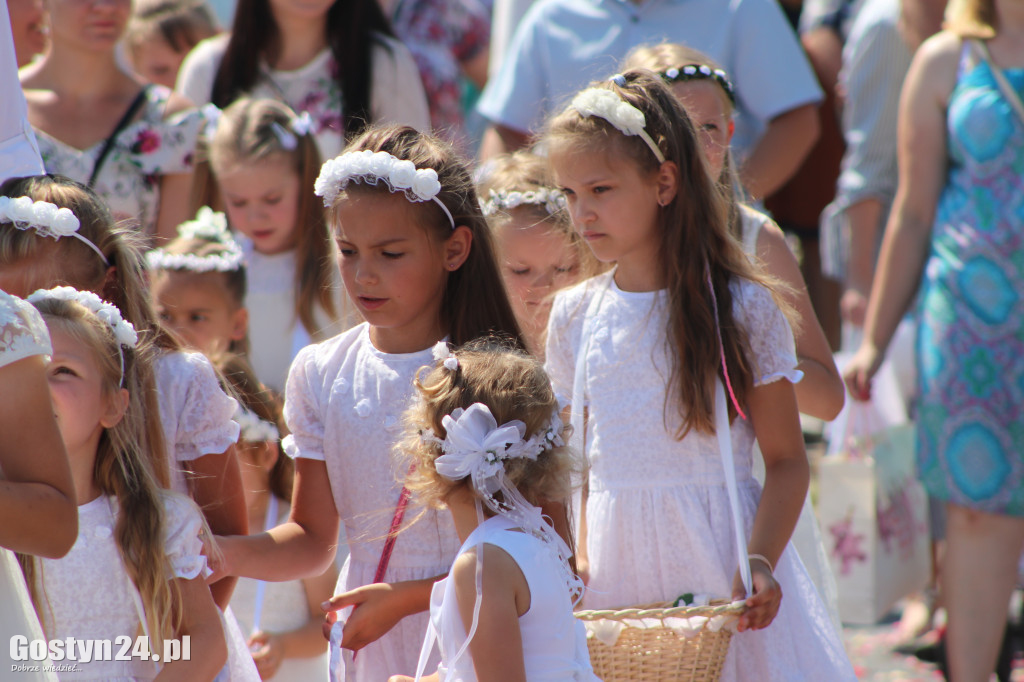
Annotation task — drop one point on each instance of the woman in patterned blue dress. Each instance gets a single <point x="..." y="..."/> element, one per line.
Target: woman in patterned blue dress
<point x="957" y="229"/>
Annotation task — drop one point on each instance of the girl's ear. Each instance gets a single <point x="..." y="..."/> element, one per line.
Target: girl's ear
<point x="116" y="406"/>
<point x="667" y="183"/>
<point x="239" y="323"/>
<point x="457" y="246"/>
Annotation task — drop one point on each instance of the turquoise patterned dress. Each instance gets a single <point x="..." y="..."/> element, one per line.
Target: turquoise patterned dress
<point x="971" y="338"/>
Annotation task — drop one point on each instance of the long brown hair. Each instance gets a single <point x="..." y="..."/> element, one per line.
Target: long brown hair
<point x="475" y="303"/>
<point x="354" y="29"/>
<point x="73" y="263"/>
<point x="695" y="241"/>
<point x="246" y="134"/>
<point x="123" y="469"/>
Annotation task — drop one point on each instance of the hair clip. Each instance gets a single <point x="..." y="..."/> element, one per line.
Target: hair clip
<point x="211" y="113"/>
<point x="399" y="175"/>
<point x="45" y="218"/>
<point x="445" y="356"/>
<point x="124" y="332"/>
<point x="700" y="72"/>
<point x="302" y="124"/>
<point x="625" y="117"/>
<point x="619" y="80"/>
<point x="550" y="198"/>
<point x="284" y="136"/>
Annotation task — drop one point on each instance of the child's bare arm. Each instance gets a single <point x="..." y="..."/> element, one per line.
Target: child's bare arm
<point x="497" y="646"/>
<point x="201" y="623"/>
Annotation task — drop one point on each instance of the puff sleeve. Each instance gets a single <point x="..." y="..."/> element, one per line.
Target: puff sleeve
<point x="773" y="351"/>
<point x="182" y="544"/>
<point x="302" y="408"/>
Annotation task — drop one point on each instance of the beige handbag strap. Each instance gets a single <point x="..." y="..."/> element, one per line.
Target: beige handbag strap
<point x="1009" y="93"/>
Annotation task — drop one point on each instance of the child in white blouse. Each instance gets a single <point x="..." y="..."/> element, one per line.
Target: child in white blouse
<point x="417" y="259"/>
<point x="138" y="558"/>
<point x="651" y="349"/>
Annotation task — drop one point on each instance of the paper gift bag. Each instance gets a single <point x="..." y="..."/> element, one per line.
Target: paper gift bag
<point x="874" y="519"/>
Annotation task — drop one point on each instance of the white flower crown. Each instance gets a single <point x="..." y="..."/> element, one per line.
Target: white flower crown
<point x="254" y="429"/>
<point x="123" y="330"/>
<point x="400" y="175"/>
<point x="48" y="220"/>
<point x="550" y="198"/>
<point x="212" y="226"/>
<point x="626" y="118"/>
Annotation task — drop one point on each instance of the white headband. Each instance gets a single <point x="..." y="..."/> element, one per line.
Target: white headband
<point x="124" y="332"/>
<point x="399" y="175"/>
<point x="551" y="199"/>
<point x="626" y="118"/>
<point x="45" y="218"/>
<point x="254" y="429"/>
<point x="211" y="226"/>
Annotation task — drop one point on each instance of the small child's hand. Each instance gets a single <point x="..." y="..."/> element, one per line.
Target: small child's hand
<point x="763" y="604"/>
<point x="378" y="608"/>
<point x="267" y="653"/>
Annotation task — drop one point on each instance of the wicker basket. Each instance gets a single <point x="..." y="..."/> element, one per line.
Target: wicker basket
<point x="659" y="653"/>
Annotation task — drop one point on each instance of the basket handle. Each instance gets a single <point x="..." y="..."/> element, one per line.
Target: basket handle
<point x="722" y="431"/>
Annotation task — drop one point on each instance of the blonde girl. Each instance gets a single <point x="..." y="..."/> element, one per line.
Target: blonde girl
<point x="138" y="558"/>
<point x="283" y="619"/>
<point x="198" y="285"/>
<point x="539" y="251"/>
<point x="161" y="32"/>
<point x="418" y="261"/>
<point x="191" y="442"/>
<point x="486" y="397"/>
<point x="683" y="319"/>
<point x="264" y="161"/>
<point x="705" y="91"/>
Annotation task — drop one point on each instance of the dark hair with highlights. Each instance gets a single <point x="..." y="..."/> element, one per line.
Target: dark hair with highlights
<point x="475" y="303"/>
<point x="695" y="239"/>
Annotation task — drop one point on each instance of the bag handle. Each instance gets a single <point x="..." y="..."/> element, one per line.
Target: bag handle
<point x="1007" y="90"/>
<point x="724" y="434"/>
<point x="108" y="144"/>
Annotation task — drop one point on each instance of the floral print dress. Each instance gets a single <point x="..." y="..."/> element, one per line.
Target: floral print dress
<point x="971" y="337"/>
<point x="143" y="152"/>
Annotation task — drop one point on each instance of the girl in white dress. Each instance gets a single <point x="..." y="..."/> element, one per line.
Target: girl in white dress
<point x="418" y="261"/>
<point x="137" y="565"/>
<point x="283" y="620"/>
<point x="193" y="439"/>
<point x="264" y="161"/>
<point x="42" y="480"/>
<point x="339" y="62"/>
<point x="539" y="251"/>
<point x="198" y="282"/>
<point x="705" y="91"/>
<point x="505" y="610"/>
<point x="647" y="345"/>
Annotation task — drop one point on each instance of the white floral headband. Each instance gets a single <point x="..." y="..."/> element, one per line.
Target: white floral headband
<point x="48" y="220"/>
<point x="124" y="332"/>
<point x="254" y="429"/>
<point x="300" y="125"/>
<point x="551" y="199"/>
<point x="626" y="118"/>
<point x="400" y="175"/>
<point x="212" y="226"/>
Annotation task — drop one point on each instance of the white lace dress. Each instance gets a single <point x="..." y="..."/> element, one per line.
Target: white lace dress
<point x="396" y="91"/>
<point x="554" y="642"/>
<point x="196" y="416"/>
<point x="658" y="515"/>
<point x="142" y="154"/>
<point x="275" y="333"/>
<point x="22" y="335"/>
<point x="344" y="404"/>
<point x="89" y="595"/>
